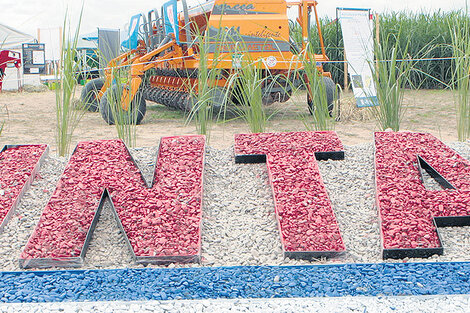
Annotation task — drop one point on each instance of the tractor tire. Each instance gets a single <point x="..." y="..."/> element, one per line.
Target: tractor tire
<point x="138" y="103"/>
<point x="219" y="101"/>
<point x="189" y="101"/>
<point x="90" y="93"/>
<point x="330" y="96"/>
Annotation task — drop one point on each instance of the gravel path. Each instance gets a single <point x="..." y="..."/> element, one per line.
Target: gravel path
<point x="239" y="226"/>
<point x="454" y="304"/>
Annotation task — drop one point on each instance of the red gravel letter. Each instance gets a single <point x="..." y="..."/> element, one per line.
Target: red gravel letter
<point x="161" y="223"/>
<point x="409" y="212"/>
<point x="305" y="216"/>
<point x="18" y="166"/>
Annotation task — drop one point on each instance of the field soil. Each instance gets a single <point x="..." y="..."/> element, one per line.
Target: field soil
<point x="30" y="118"/>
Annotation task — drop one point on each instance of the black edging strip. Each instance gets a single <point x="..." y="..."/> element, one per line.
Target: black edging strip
<point x="311" y="255"/>
<point x="423" y="165"/>
<point x="261" y="158"/>
<point x="250" y="158"/>
<point x="415" y="252"/>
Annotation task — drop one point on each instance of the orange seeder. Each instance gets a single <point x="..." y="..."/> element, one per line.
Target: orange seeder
<point x="163" y="67"/>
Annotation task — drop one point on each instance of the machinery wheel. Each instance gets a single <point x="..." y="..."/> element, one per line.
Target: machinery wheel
<point x="283" y="90"/>
<point x="90" y="93"/>
<point x="107" y="112"/>
<point x="189" y="102"/>
<point x="219" y="100"/>
<point x="330" y="96"/>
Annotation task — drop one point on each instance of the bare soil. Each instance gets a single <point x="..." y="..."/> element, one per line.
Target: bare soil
<point x="31" y="119"/>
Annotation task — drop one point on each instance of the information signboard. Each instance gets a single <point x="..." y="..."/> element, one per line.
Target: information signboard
<point x="359" y="49"/>
<point x="34" y="58"/>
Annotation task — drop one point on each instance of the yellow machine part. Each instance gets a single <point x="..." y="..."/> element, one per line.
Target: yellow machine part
<point x="259" y="27"/>
<point x="254" y="20"/>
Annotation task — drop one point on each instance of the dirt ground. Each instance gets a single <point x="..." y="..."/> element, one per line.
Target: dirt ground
<point x="31" y="119"/>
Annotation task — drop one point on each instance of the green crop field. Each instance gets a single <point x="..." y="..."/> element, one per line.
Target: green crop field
<point x="429" y="35"/>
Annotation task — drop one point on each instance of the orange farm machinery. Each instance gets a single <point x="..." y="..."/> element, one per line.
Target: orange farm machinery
<point x="163" y="66"/>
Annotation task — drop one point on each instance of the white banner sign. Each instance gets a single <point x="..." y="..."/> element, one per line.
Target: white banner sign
<point x="359" y="48"/>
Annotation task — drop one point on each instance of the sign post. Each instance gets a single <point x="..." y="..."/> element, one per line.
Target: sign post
<point x="34" y="58"/>
<point x="359" y="48"/>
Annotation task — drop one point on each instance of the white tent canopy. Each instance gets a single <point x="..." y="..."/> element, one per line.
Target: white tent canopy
<point x="12" y="39"/>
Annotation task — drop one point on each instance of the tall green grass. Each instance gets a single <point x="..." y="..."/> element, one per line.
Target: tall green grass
<point x="3" y="118"/>
<point x="251" y="85"/>
<point x="460" y="29"/>
<point x="390" y="77"/>
<point x="316" y="94"/>
<point x="206" y="99"/>
<point x="68" y="112"/>
<point x="112" y="109"/>
<point x="333" y="41"/>
<point x="431" y="38"/>
<point x="247" y="84"/>
<point x="125" y="121"/>
<point x="244" y="86"/>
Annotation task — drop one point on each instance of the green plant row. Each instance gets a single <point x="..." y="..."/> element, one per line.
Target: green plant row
<point x="428" y="35"/>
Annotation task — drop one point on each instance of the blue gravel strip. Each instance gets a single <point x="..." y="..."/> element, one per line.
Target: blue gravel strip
<point x="390" y="279"/>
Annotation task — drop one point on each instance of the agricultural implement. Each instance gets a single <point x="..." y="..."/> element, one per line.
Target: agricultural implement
<point x="163" y="65"/>
<point x="8" y="58"/>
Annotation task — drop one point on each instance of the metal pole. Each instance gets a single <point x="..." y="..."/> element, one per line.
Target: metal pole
<point x="345" y="68"/>
<point x="377" y="38"/>
<point x="319" y="31"/>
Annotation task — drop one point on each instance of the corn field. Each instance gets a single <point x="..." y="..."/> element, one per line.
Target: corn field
<point x="428" y="33"/>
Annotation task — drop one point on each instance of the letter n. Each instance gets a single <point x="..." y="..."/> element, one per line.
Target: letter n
<point x="161" y="222"/>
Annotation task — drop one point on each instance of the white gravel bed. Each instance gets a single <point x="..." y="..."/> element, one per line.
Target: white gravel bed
<point x="239" y="226"/>
<point x="428" y="304"/>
